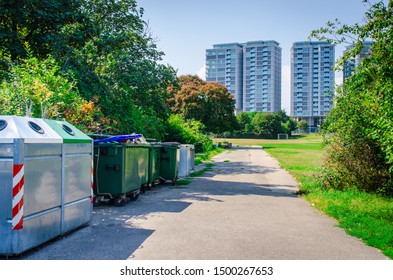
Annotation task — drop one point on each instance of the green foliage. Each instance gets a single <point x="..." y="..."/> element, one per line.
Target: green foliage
<point x="302" y="125"/>
<point x="188" y="132"/>
<point x="265" y="125"/>
<point x="118" y="65"/>
<point x="244" y="122"/>
<point x="359" y="129"/>
<point x="37" y="23"/>
<point x="40" y="82"/>
<point x="98" y="50"/>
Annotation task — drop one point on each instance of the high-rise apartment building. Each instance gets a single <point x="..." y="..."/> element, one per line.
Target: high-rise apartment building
<point x="261" y="76"/>
<point x="251" y="71"/>
<point x="312" y="81"/>
<point x="350" y="64"/>
<point x="224" y="64"/>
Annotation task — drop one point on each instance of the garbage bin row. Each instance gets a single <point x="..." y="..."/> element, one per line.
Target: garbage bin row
<point x="51" y="175"/>
<point x="123" y="170"/>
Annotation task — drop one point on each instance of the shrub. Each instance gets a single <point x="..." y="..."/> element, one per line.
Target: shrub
<point x="188" y="132"/>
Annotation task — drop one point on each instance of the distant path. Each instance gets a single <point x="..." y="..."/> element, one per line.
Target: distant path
<point x="244" y="209"/>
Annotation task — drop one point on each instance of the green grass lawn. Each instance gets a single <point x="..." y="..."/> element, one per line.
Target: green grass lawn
<point x="363" y="215"/>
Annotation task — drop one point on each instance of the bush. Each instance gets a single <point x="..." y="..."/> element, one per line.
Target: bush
<point x="361" y="149"/>
<point x="188" y="132"/>
<point x="41" y="82"/>
<point x="356" y="155"/>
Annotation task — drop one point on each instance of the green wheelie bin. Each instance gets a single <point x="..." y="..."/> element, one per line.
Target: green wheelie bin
<point x="169" y="162"/>
<point x="141" y="155"/>
<point x="119" y="171"/>
<point x="154" y="164"/>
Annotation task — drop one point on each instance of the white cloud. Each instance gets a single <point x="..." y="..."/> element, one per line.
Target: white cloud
<point x="202" y="72"/>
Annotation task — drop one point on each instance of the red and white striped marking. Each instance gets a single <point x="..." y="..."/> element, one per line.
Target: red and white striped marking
<point x="92" y="181"/>
<point x="18" y="183"/>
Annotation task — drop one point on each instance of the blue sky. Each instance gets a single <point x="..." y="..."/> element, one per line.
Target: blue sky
<point x="186" y="28"/>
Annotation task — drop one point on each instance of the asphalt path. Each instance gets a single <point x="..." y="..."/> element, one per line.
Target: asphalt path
<point x="243" y="208"/>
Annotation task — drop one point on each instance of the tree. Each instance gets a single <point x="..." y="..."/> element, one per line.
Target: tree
<point x="209" y="103"/>
<point x="38" y="23"/>
<point x="266" y="124"/>
<point x="244" y="122"/>
<point x="360" y="126"/>
<point x="287" y="123"/>
<point x="104" y="47"/>
<point x="302" y="125"/>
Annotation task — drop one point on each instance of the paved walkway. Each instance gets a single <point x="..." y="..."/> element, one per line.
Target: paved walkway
<point x="244" y="209"/>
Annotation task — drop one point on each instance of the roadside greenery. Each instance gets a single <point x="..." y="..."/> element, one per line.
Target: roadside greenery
<point x="40" y="82"/>
<point x="190" y="132"/>
<point x="359" y="129"/>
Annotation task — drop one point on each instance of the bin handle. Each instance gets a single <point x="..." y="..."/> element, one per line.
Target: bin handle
<point x="43" y="110"/>
<point x="29" y="106"/>
<point x="115" y="167"/>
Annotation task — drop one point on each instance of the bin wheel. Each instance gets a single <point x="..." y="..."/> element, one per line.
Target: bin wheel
<point x="97" y="201"/>
<point x="119" y="201"/>
<point x="134" y="196"/>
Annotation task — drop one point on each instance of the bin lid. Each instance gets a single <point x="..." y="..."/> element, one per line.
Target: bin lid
<point x="191" y="146"/>
<point x="171" y="144"/>
<point x="68" y="132"/>
<point x="32" y="130"/>
<point x="119" y="138"/>
<point x="121" y="145"/>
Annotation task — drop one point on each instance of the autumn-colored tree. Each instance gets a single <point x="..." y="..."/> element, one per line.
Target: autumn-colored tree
<point x="208" y="102"/>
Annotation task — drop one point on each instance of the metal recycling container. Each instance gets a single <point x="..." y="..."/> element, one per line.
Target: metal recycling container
<point x="119" y="171"/>
<point x="186" y="162"/>
<point x="154" y="164"/>
<point x="77" y="165"/>
<point x="169" y="163"/>
<point x="30" y="184"/>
